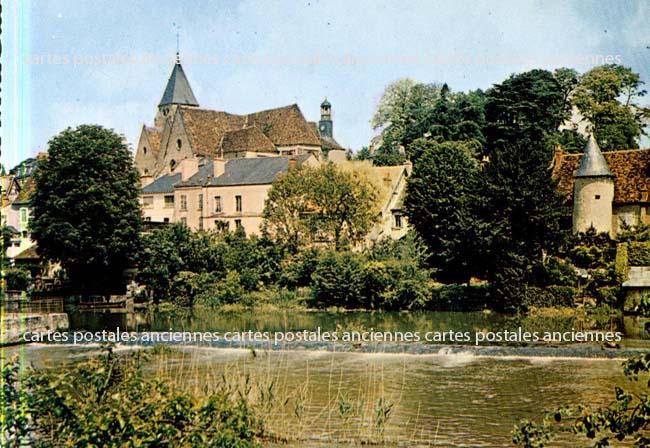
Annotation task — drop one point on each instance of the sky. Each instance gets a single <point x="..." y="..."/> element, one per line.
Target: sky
<point x="71" y="62"/>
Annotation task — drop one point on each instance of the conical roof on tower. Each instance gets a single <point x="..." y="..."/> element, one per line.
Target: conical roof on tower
<point x="592" y="162"/>
<point x="178" y="90"/>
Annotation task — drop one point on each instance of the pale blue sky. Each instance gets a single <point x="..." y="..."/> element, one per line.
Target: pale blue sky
<point x="468" y="44"/>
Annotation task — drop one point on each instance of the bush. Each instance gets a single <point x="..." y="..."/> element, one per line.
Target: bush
<point x="388" y="277"/>
<point x="622" y="261"/>
<point x="17" y="279"/>
<point x="460" y="298"/>
<point x="608" y="295"/>
<point x="409" y="286"/>
<point x="175" y="249"/>
<point x="625" y="419"/>
<point x="107" y="402"/>
<point x="591" y="250"/>
<point x="551" y="296"/>
<point x="638" y="253"/>
<point x="338" y="280"/>
<point x="297" y="269"/>
<point x="554" y="271"/>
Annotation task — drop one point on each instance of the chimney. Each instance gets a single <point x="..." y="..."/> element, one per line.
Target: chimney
<point x="188" y="168"/>
<point x="293" y="163"/>
<point x="219" y="167"/>
<point x="145" y="180"/>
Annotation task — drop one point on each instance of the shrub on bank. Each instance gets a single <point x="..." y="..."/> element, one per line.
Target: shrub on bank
<point x="551" y="296"/>
<point x="106" y="401"/>
<point x="355" y="280"/>
<point x="638" y="253"/>
<point x="460" y="298"/>
<point x="554" y="271"/>
<point x="338" y="280"/>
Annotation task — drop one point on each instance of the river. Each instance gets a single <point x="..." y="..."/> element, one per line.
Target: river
<point x="329" y="395"/>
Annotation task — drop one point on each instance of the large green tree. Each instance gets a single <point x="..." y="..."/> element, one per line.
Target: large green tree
<point x="532" y="105"/>
<point x="443" y="203"/>
<point x="427" y="111"/>
<point x="608" y="96"/>
<point x="85" y="207"/>
<point x="523" y="114"/>
<point x="325" y="205"/>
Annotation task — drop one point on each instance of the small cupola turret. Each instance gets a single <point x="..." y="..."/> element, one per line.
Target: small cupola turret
<point x="325" y="125"/>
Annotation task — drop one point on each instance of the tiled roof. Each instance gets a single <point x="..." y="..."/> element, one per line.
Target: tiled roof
<point x="154" y="135"/>
<point x="247" y="139"/>
<point x="285" y="126"/>
<point x="178" y="90"/>
<point x="207" y="128"/>
<point x="164" y="184"/>
<point x="251" y="171"/>
<point x="630" y="168"/>
<point x="255" y="171"/>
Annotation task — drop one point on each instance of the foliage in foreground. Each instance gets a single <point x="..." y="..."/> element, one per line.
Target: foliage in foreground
<point x="107" y="402"/>
<point x="626" y="418"/>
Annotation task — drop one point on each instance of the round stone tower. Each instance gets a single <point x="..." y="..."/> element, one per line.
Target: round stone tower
<point x="593" y="191"/>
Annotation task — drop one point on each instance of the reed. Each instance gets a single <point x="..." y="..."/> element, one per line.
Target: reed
<point x="295" y="407"/>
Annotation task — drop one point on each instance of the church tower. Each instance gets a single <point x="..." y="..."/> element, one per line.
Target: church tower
<point x="325" y="125"/>
<point x="178" y="92"/>
<point x="593" y="191"/>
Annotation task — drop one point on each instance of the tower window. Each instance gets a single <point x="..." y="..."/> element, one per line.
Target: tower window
<point x="179" y="144"/>
<point x="172" y="164"/>
<point x="238" y="203"/>
<point x="398" y="222"/>
<point x="144" y="150"/>
<point x="597" y="196"/>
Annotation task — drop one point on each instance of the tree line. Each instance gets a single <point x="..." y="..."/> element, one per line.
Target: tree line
<point x="481" y="197"/>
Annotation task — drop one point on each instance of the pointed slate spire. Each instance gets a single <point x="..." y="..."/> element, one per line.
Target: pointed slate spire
<point x="592" y="162"/>
<point x="178" y="90"/>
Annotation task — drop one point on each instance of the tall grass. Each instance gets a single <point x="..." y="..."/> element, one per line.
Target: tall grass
<point x="299" y="397"/>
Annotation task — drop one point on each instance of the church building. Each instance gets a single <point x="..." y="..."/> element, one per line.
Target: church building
<point x="183" y="130"/>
